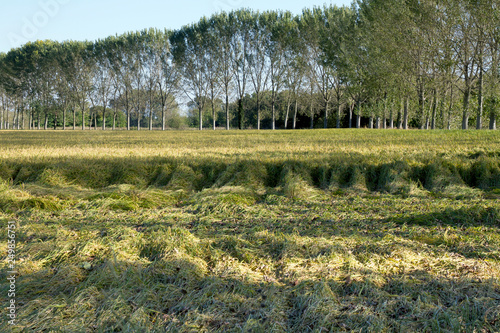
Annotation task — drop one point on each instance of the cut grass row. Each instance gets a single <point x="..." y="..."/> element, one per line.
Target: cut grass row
<point x="449" y="176"/>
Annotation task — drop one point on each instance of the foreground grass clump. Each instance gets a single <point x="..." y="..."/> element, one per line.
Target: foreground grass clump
<point x="281" y="232"/>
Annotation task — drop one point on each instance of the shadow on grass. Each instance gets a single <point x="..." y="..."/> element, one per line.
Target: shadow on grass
<point x="196" y="173"/>
<point x="469" y="231"/>
<point x="182" y="293"/>
<point x="463" y="217"/>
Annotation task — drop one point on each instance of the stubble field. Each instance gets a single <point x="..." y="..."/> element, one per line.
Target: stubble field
<point x="246" y="231"/>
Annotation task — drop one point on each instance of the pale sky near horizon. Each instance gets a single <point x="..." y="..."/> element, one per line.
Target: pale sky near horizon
<point x="30" y="20"/>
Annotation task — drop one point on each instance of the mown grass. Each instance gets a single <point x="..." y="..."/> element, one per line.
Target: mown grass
<point x="298" y="231"/>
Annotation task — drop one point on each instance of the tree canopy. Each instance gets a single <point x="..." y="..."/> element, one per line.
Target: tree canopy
<point x="381" y="64"/>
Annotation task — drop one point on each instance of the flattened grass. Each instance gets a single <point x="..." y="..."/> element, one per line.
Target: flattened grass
<point x="244" y="231"/>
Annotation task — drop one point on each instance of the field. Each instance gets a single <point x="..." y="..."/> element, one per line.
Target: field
<point x="246" y="231"/>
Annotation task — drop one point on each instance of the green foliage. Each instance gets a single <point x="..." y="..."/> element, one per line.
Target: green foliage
<point x="438" y="58"/>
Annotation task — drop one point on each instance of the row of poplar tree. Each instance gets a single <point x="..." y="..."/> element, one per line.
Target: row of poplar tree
<point x="379" y="63"/>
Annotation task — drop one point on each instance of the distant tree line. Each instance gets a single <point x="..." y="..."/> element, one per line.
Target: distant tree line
<point x="425" y="64"/>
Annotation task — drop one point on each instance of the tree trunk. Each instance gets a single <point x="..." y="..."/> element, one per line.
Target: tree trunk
<point x="1" y="113"/>
<point x="150" y="125"/>
<point x="493" y="121"/>
<point x="465" y="113"/>
<point x="83" y="118"/>
<point x="312" y="113"/>
<point x="200" y="110"/>
<point x="377" y="121"/>
<point x="327" y="104"/>
<point x="240" y="113"/>
<point x="421" y="105"/>
<point x="163" y="117"/>
<point x="466" y="99"/>
<point x="128" y="110"/>
<point x="289" y="103"/>
<point x="15" y="121"/>
<point x="150" y="122"/>
<point x="391" y="119"/>
<point x="213" y="114"/>
<point x="46" y="122"/>
<point x="138" y="120"/>
<point x="405" y="114"/>
<point x="295" y="114"/>
<point x="371" y="122"/>
<point x="22" y="118"/>
<point x="258" y="111"/>
<point x="400" y="117"/>
<point x="384" y="118"/>
<point x="434" y="110"/>
<point x="103" y="118"/>
<point x="227" y="109"/>
<point x="339" y="110"/>
<point x="312" y="106"/>
<point x="114" y="121"/>
<point x="273" y="110"/>
<point x="358" y="116"/>
<point x="55" y="121"/>
<point x="351" y="109"/>
<point x="441" y="112"/>
<point x="448" y="124"/>
<point x="74" y="118"/>
<point x="64" y="118"/>
<point x="480" y="102"/>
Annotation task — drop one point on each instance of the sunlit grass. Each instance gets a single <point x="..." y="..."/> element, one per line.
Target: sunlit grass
<point x="306" y="231"/>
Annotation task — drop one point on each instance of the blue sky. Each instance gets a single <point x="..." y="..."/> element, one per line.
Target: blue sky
<point x="29" y="20"/>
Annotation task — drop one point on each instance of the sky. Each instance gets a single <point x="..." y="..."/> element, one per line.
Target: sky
<point x="30" y="20"/>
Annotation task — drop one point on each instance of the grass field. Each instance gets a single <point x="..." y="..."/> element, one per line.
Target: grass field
<point x="246" y="231"/>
